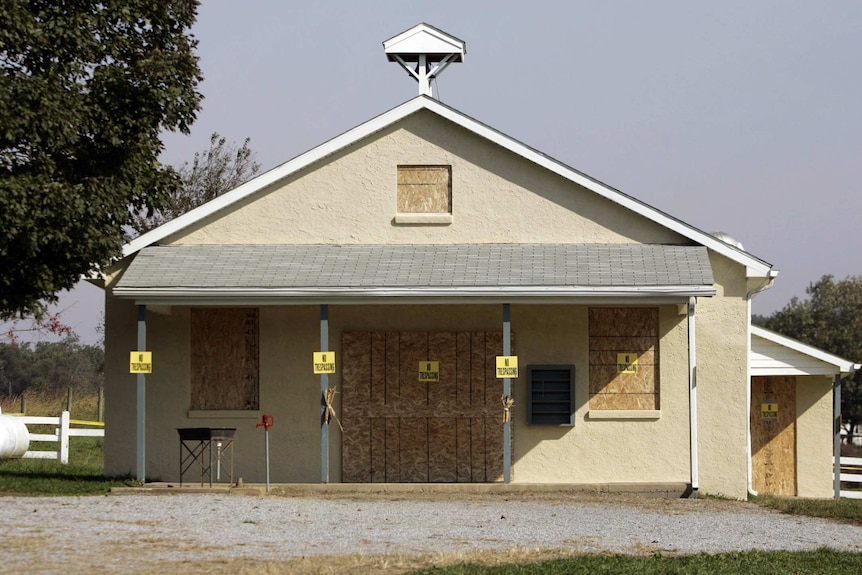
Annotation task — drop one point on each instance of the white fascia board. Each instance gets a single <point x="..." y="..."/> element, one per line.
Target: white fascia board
<point x="417" y="294"/>
<point x="843" y="365"/>
<point x="825" y="371"/>
<point x="755" y="267"/>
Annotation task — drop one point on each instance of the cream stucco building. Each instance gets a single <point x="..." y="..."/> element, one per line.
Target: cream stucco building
<point x="426" y="238"/>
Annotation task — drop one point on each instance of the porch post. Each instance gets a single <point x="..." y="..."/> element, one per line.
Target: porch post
<point x="692" y="393"/>
<point x="836" y="430"/>
<point x="507" y="390"/>
<point x="141" y="462"/>
<point x="324" y="385"/>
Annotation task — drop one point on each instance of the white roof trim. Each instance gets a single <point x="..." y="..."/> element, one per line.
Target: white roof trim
<point x="841" y="365"/>
<point x="755" y="267"/>
<point x="422" y="292"/>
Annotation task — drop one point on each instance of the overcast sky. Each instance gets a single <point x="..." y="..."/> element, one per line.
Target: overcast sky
<point x="739" y="116"/>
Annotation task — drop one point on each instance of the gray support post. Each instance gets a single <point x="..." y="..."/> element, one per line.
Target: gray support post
<point x="836" y="430"/>
<point x="141" y="466"/>
<point x="507" y="390"/>
<point x="324" y="385"/>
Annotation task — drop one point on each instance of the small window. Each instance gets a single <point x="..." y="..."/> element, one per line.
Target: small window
<point x="551" y="395"/>
<point x="424" y="194"/>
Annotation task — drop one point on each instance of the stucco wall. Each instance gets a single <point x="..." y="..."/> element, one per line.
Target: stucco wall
<point x="497" y="197"/>
<point x="814" y="436"/>
<point x="600" y="450"/>
<point x="721" y="382"/>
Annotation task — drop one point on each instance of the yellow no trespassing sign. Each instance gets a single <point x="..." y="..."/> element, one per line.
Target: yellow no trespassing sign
<point x="429" y="371"/>
<point x="141" y="362"/>
<point x="507" y="366"/>
<point x="324" y="362"/>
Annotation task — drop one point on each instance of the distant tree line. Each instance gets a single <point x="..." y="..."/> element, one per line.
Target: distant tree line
<point x="51" y="368"/>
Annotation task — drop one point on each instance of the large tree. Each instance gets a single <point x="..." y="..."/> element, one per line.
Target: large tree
<point x="86" y="88"/>
<point x="830" y="319"/>
<point x="218" y="169"/>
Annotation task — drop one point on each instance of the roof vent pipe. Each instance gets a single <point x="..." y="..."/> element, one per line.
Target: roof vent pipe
<point x="424" y="51"/>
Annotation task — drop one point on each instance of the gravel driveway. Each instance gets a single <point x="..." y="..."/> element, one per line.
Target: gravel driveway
<point x="137" y="533"/>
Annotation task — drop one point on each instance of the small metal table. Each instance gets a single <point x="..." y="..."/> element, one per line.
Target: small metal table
<point x="204" y="447"/>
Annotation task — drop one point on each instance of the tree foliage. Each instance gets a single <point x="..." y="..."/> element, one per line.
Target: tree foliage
<point x="830" y="319"/>
<point x="51" y="368"/>
<point x="219" y="169"/>
<point x="86" y="88"/>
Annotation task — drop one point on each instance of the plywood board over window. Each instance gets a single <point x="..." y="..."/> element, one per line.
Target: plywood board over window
<point x="224" y="359"/>
<point x="624" y="359"/>
<point x="425" y="189"/>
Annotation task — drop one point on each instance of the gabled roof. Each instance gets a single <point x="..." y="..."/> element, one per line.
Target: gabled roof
<point x="295" y="273"/>
<point x="755" y="267"/>
<point x="775" y="354"/>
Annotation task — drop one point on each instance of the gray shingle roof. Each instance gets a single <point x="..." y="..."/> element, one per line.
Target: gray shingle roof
<point x="361" y="267"/>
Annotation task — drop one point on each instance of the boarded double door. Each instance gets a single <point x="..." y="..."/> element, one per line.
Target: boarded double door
<point x="400" y="430"/>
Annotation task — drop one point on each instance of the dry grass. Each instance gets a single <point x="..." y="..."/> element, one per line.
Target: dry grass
<point x="84" y="406"/>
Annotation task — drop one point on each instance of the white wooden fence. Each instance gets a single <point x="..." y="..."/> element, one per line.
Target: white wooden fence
<point x="62" y="433"/>
<point x="851" y="472"/>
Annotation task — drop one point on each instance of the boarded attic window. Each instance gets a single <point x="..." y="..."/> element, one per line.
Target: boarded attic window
<point x="424" y="191"/>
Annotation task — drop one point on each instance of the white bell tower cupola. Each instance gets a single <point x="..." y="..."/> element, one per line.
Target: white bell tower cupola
<point x="424" y="51"/>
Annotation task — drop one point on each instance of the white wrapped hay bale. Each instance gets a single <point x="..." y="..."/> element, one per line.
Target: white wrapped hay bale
<point x="14" y="437"/>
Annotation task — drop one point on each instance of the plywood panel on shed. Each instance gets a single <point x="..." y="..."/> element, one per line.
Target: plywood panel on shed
<point x="356" y="452"/>
<point x="414" y="393"/>
<point x="442" y="395"/>
<point x="442" y="450"/>
<point x="414" y="449"/>
<point x="393" y="450"/>
<point x="773" y="442"/>
<point x="224" y="358"/>
<point x="630" y="331"/>
<point x="464" y="450"/>
<point x="378" y="449"/>
<point x="446" y="431"/>
<point x="355" y="373"/>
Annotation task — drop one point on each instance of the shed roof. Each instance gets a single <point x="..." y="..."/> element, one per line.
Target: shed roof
<point x="513" y="271"/>
<point x="755" y="267"/>
<point x="775" y="354"/>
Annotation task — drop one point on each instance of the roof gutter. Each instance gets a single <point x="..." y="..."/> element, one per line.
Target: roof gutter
<point x="401" y="295"/>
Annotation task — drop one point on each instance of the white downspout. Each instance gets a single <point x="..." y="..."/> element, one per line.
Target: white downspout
<point x="692" y="394"/>
<point x="748" y="297"/>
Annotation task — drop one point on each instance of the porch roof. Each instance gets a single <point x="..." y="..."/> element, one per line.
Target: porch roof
<point x="185" y="272"/>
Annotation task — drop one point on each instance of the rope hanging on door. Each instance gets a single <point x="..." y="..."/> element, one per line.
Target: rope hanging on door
<point x="508" y="401"/>
<point x="329" y="412"/>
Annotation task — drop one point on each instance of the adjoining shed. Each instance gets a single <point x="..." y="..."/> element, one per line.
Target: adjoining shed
<point x="791" y="398"/>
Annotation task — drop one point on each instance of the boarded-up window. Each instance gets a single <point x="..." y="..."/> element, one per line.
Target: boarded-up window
<point x="624" y="358"/>
<point x="224" y="358"/>
<point x="425" y="189"/>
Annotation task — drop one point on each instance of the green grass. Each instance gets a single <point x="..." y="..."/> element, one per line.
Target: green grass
<point x="82" y="476"/>
<point x="820" y="562"/>
<point x="849" y="510"/>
